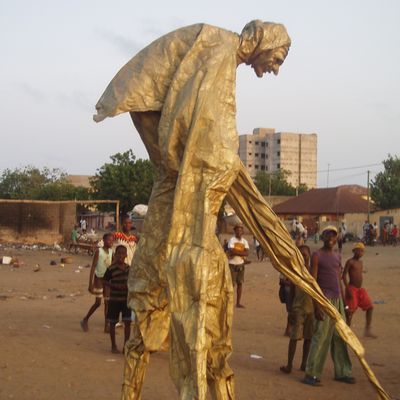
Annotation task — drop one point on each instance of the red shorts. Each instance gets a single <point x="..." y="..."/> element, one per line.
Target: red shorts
<point x="360" y="299"/>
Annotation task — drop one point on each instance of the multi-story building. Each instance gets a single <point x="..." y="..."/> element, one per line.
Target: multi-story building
<point x="269" y="151"/>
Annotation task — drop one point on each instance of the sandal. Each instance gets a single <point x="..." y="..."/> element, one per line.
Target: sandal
<point x="311" y="380"/>
<point x="346" y="379"/>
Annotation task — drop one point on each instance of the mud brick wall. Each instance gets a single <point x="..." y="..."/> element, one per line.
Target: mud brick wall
<point x="28" y="222"/>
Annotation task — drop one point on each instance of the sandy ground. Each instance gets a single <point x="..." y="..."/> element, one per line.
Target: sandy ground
<point x="45" y="355"/>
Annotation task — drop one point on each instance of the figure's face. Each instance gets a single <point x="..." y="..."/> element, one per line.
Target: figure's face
<point x="126" y="225"/>
<point x="238" y="231"/>
<point x="358" y="253"/>
<point x="330" y="239"/>
<point x="120" y="255"/>
<point x="269" y="61"/>
<point x="108" y="241"/>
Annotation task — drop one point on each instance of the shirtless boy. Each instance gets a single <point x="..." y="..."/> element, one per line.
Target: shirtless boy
<point x="356" y="295"/>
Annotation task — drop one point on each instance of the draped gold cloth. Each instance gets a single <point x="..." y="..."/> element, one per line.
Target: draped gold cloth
<point x="180" y="92"/>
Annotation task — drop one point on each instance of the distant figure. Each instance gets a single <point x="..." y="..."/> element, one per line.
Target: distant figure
<point x="74" y="235"/>
<point x="74" y="238"/>
<point x="294" y="228"/>
<point x="305" y="234"/>
<point x="375" y="232"/>
<point x="102" y="259"/>
<point x="385" y="233"/>
<point x="326" y="269"/>
<point x="259" y="251"/>
<point x="365" y="230"/>
<point x="340" y="240"/>
<point x="356" y="295"/>
<point x="316" y="234"/>
<point x="299" y="228"/>
<point x="115" y="280"/>
<point x="395" y="235"/>
<point x="83" y="224"/>
<point x="390" y="234"/>
<point x="302" y="311"/>
<point x="344" y="231"/>
<point x="126" y="238"/>
<point x="238" y="250"/>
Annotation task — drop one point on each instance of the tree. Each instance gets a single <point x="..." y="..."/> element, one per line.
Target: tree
<point x="125" y="179"/>
<point x="32" y="183"/>
<point x="62" y="190"/>
<point x="385" y="189"/>
<point x="276" y="184"/>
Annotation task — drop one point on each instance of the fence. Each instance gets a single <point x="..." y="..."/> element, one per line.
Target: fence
<point x="37" y="221"/>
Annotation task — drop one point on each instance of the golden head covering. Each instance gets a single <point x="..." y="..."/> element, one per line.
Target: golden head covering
<point x="358" y="245"/>
<point x="330" y="228"/>
<point x="258" y="36"/>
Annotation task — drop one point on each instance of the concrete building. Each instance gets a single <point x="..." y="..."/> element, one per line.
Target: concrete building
<point x="268" y="151"/>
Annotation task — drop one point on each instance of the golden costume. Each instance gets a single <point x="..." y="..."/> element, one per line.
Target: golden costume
<point x="180" y="92"/>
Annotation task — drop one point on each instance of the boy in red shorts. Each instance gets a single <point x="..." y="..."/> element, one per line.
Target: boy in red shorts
<point x="356" y="295"/>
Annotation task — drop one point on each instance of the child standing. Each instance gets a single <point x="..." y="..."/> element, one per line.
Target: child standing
<point x="238" y="250"/>
<point x="102" y="259"/>
<point x="302" y="311"/>
<point x="116" y="279"/>
<point x="356" y="295"/>
<point x="125" y="238"/>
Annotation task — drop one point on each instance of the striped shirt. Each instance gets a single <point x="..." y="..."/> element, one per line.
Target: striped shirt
<point x="117" y="277"/>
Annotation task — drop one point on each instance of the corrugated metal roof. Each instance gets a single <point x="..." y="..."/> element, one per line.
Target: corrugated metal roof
<point x="337" y="200"/>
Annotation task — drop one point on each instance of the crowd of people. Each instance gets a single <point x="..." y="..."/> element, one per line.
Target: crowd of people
<point x="306" y="321"/>
<point x="305" y="318"/>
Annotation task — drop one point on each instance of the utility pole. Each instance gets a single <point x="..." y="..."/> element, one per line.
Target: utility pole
<point x="368" y="194"/>
<point x="327" y="176"/>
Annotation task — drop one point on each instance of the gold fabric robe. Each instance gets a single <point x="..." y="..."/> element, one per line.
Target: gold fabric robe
<point x="180" y="91"/>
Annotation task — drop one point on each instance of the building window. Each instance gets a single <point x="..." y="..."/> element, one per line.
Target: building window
<point x="250" y="154"/>
<point x="249" y="141"/>
<point x="266" y="144"/>
<point x="256" y="166"/>
<point x="249" y="165"/>
<point x="256" y="154"/>
<point x="262" y="144"/>
<point x="278" y="153"/>
<point x="255" y="143"/>
<point x="262" y="168"/>
<point x="279" y="141"/>
<point x="266" y="168"/>
<point x="262" y="155"/>
<point x="278" y="166"/>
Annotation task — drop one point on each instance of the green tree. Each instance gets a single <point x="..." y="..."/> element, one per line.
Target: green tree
<point x="276" y="184"/>
<point x="61" y="190"/>
<point x="125" y="179"/>
<point x="385" y="189"/>
<point x="34" y="184"/>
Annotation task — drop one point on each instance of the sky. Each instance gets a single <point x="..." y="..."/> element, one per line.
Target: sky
<point x="340" y="80"/>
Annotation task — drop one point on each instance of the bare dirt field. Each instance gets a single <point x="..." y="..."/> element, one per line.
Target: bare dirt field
<point x="45" y="355"/>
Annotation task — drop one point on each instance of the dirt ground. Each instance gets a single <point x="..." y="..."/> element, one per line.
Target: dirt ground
<point x="45" y="355"/>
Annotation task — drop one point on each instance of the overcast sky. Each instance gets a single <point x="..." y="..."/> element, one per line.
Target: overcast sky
<point x="340" y="80"/>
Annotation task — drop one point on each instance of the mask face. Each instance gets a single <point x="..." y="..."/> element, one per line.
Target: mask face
<point x="269" y="61"/>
